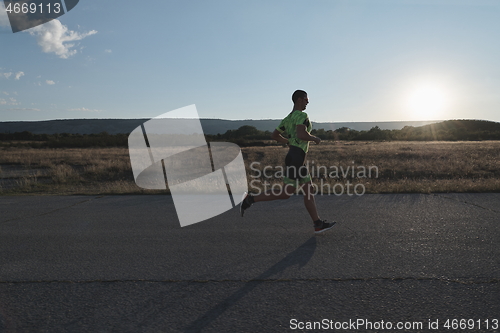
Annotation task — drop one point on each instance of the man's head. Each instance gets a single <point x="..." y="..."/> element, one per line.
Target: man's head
<point x="300" y="101"/>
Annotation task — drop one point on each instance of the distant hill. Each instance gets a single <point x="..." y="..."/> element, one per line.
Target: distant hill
<point x="463" y="129"/>
<point x="210" y="126"/>
<point x="464" y="125"/>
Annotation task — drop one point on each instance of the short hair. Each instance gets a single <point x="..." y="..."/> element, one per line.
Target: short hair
<point x="298" y="94"/>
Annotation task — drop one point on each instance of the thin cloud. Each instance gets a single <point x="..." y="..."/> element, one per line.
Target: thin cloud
<point x="107" y="51"/>
<point x="54" y="37"/>
<point x="50" y="82"/>
<point x="7" y="75"/>
<point x="23" y="109"/>
<point x="9" y="101"/>
<point x="84" y="110"/>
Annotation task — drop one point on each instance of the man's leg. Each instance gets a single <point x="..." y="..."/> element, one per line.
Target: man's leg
<point x="309" y="201"/>
<point x="269" y="195"/>
<point x="320" y="226"/>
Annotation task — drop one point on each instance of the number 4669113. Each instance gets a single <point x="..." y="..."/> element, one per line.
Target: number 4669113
<point x="33" y="8"/>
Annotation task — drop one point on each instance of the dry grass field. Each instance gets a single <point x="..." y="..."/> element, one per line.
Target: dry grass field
<point x="403" y="167"/>
<point x="374" y="167"/>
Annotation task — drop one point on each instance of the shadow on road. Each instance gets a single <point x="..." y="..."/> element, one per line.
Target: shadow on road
<point x="300" y="257"/>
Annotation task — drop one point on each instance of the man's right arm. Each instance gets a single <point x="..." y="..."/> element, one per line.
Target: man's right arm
<point x="304" y="135"/>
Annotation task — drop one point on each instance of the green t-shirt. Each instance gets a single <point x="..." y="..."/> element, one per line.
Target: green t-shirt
<point x="289" y="126"/>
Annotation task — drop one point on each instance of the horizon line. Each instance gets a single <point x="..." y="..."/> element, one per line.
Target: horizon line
<point x="268" y="119"/>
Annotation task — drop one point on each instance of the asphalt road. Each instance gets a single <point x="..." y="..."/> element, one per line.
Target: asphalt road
<point x="123" y="264"/>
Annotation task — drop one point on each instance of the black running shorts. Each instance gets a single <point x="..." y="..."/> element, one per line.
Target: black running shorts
<point x="296" y="169"/>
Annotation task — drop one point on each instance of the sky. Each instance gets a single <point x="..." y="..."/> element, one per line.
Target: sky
<point x="373" y="60"/>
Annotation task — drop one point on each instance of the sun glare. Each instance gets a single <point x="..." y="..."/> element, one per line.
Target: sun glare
<point x="427" y="102"/>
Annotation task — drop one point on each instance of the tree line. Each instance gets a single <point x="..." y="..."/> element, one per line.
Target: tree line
<point x="451" y="130"/>
<point x="63" y="140"/>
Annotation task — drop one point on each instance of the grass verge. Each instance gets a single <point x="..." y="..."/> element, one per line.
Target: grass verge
<point x="375" y="167"/>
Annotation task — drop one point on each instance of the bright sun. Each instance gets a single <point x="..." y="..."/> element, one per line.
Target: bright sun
<point x="427" y="102"/>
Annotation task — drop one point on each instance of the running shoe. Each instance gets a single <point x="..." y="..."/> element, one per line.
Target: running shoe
<point x="245" y="203"/>
<point x="322" y="226"/>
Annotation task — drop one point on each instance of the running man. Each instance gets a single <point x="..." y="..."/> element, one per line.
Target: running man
<point x="297" y="127"/>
